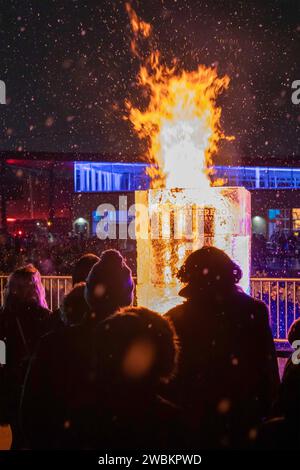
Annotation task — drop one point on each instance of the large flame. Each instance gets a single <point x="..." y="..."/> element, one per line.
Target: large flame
<point x="181" y="120"/>
<point x="181" y="123"/>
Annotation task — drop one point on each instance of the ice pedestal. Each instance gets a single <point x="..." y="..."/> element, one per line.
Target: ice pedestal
<point x="171" y="223"/>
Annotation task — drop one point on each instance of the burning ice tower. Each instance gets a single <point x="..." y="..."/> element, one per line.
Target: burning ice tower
<point x="178" y="222"/>
<point x="182" y="211"/>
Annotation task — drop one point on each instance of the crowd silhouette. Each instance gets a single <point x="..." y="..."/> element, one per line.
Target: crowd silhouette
<point x="275" y="256"/>
<point x="55" y="253"/>
<point x="99" y="373"/>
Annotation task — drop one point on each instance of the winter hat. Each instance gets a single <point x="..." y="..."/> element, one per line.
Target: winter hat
<point x="109" y="284"/>
<point x="208" y="267"/>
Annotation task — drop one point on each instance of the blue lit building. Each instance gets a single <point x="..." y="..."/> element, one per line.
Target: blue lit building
<point x="275" y="190"/>
<point x="71" y="186"/>
<point x="109" y="177"/>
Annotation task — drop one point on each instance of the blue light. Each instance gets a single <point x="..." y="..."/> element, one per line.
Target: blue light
<point x="274" y="214"/>
<point x="110" y="177"/>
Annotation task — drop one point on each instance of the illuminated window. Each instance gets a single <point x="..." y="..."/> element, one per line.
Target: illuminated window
<point x="296" y="219"/>
<point x="274" y="214"/>
<point x="279" y="220"/>
<point x="102" y="177"/>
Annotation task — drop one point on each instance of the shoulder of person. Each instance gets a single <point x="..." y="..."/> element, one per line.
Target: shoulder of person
<point x="291" y="371"/>
<point x="254" y="306"/>
<point x="54" y="339"/>
<point x="252" y="314"/>
<point x="176" y="312"/>
<point x="42" y="312"/>
<point x="55" y="345"/>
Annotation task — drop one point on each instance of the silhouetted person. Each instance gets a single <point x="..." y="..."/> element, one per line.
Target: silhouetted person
<point x="136" y="350"/>
<point x="294" y="332"/>
<point x="60" y="382"/>
<point x="283" y="431"/>
<point x="83" y="267"/>
<point x="228" y="374"/>
<point x="109" y="285"/>
<point x="24" y="318"/>
<point x="74" y="307"/>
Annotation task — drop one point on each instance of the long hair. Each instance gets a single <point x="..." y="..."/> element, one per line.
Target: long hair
<point x="24" y="286"/>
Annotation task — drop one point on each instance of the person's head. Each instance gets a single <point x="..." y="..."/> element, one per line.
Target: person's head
<point x="109" y="284"/>
<point x="74" y="307"/>
<point x="136" y="347"/>
<point x="208" y="268"/>
<point x="294" y="332"/>
<point x="82" y="267"/>
<point x="24" y="286"/>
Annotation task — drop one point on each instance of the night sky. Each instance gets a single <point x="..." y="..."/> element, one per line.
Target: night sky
<point x="68" y="68"/>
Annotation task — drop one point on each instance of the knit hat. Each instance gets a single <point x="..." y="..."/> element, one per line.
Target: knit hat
<point x="109" y="284"/>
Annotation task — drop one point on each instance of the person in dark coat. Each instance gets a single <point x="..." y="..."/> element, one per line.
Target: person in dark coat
<point x="136" y="350"/>
<point x="60" y="380"/>
<point x="228" y="374"/>
<point x="74" y="309"/>
<point x="283" y="431"/>
<point x="24" y="318"/>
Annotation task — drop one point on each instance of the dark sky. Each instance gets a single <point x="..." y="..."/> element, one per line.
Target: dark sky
<point x="68" y="69"/>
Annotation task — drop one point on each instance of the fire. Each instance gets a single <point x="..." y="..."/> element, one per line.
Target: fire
<point x="139" y="28"/>
<point x="181" y="121"/>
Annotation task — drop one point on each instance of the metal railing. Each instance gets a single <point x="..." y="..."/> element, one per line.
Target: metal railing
<point x="56" y="287"/>
<point x="282" y="296"/>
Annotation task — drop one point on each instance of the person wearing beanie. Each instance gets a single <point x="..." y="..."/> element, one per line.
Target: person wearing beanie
<point x="228" y="375"/>
<point x="60" y="381"/>
<point x="109" y="284"/>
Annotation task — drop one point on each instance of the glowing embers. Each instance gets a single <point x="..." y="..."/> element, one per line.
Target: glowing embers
<point x="171" y="223"/>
